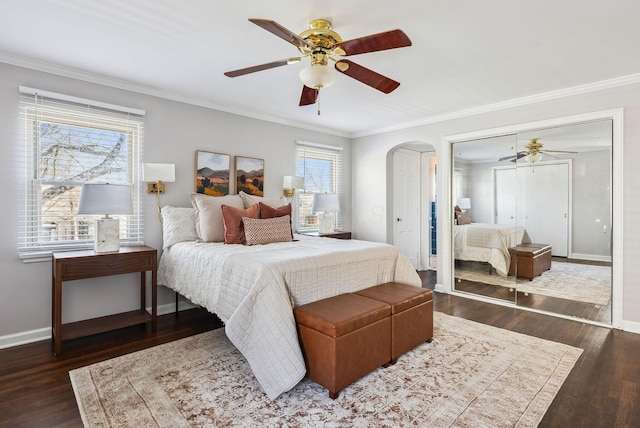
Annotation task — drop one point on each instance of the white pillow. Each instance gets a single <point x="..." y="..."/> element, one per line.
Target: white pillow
<point x="209" y="222"/>
<point x="250" y="200"/>
<point x="268" y="230"/>
<point x="178" y="225"/>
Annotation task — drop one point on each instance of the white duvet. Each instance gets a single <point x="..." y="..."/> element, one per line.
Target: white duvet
<point x="254" y="288"/>
<point x="490" y="243"/>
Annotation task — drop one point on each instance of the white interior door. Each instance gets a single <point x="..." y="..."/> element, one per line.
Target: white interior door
<point x="406" y="204"/>
<point x="538" y="199"/>
<point x="505" y="195"/>
<point x="547" y="205"/>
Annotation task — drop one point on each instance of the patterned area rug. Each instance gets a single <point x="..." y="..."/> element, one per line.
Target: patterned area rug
<point x="573" y="281"/>
<point x="470" y="375"/>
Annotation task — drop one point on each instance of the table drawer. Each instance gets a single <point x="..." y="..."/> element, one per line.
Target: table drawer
<point x="113" y="265"/>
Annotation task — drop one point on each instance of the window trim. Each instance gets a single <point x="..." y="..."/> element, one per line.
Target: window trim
<point x="31" y="245"/>
<point x="337" y="179"/>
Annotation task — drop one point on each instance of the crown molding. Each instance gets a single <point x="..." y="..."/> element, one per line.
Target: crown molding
<point x="147" y="90"/>
<point x="517" y="102"/>
<point x="99" y="79"/>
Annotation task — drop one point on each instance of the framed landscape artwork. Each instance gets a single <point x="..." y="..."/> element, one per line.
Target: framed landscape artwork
<point x="212" y="173"/>
<point x="250" y="175"/>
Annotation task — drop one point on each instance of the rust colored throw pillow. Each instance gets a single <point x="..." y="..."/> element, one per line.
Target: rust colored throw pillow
<point x="233" y="225"/>
<point x="269" y="212"/>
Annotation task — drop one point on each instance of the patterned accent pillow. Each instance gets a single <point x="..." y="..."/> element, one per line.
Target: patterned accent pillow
<point x="250" y="200"/>
<point x="233" y="225"/>
<point x="178" y="225"/>
<point x="267" y="231"/>
<point x="269" y="212"/>
<point x="209" y="223"/>
<point x="463" y="217"/>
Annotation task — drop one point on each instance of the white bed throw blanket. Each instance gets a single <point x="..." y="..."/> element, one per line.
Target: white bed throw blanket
<point x="254" y="288"/>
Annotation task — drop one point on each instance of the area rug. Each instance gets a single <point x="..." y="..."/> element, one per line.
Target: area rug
<point x="573" y="281"/>
<point x="471" y="374"/>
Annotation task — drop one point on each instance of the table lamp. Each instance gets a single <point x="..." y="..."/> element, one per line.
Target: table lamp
<point x="106" y="199"/>
<point x="325" y="204"/>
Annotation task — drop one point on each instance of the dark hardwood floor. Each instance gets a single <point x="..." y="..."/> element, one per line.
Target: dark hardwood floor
<point x="571" y="308"/>
<point x="603" y="390"/>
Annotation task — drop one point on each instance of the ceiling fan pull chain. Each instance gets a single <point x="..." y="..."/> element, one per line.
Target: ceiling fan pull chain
<point x="318" y="102"/>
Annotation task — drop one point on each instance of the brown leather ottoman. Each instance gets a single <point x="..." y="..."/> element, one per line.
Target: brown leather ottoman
<point x="411" y="314"/>
<point x="343" y="338"/>
<point x="530" y="260"/>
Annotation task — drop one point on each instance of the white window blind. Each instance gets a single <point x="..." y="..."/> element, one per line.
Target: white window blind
<point x="69" y="141"/>
<point x="321" y="167"/>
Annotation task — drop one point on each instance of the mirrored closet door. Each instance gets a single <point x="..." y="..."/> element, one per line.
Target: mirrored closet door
<point x="532" y="219"/>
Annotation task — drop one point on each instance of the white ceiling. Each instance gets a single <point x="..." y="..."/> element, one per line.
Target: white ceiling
<point x="465" y="54"/>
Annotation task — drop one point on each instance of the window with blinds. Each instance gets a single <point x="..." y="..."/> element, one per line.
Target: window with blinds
<point x="70" y="141"/>
<point x="321" y="167"/>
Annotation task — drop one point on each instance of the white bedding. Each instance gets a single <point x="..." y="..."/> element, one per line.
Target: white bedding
<point x="254" y="288"/>
<point x="490" y="243"/>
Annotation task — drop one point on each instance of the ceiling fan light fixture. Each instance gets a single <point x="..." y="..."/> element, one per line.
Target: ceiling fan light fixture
<point x="318" y="76"/>
<point x="533" y="158"/>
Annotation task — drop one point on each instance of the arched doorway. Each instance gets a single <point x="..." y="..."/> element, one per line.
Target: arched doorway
<point x="411" y="202"/>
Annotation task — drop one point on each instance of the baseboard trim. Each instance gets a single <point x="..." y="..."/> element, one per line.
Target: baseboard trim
<point x="25" y="337"/>
<point x="631" y="326"/>
<point x="40" y="334"/>
<point x="590" y="257"/>
<point x="440" y="288"/>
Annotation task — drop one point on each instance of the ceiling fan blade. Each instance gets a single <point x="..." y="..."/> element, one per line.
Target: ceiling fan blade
<point x="373" y="43"/>
<point x="268" y="65"/>
<point x="309" y="96"/>
<point x="556" y="151"/>
<point x="514" y="158"/>
<point x="280" y="31"/>
<point x="366" y="76"/>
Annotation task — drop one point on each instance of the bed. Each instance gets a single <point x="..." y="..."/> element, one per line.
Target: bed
<point x="253" y="289"/>
<point x="490" y="243"/>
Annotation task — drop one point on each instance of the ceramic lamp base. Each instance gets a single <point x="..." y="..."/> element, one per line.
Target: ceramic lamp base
<point x="107" y="235"/>
<point x="326" y="223"/>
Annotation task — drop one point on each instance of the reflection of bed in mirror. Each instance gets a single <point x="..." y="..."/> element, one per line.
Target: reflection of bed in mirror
<point x="489" y="243"/>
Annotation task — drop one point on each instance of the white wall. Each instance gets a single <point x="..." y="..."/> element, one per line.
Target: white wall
<point x="173" y="132"/>
<point x="369" y="154"/>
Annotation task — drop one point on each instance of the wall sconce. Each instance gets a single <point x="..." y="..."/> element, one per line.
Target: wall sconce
<point x="290" y="184"/>
<point x="325" y="204"/>
<point x="156" y="174"/>
<point x="105" y="199"/>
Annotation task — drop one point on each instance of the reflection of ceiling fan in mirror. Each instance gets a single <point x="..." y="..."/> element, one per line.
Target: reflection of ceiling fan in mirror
<point x="533" y="153"/>
<point x="320" y="43"/>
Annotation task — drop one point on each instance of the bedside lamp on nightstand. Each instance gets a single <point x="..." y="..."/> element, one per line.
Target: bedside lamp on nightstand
<point x="326" y="204"/>
<point x="105" y="199"/>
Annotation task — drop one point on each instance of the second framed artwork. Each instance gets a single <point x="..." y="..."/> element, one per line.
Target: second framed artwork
<point x="212" y="173"/>
<point x="250" y="175"/>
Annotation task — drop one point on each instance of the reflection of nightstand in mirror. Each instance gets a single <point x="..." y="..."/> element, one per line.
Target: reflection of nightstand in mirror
<point x="338" y="234"/>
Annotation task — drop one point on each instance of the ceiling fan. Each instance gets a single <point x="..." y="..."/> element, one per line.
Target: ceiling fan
<point x="533" y="153"/>
<point x="321" y="44"/>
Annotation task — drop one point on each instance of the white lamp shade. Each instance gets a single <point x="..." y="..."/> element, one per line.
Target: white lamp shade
<point x="325" y="202"/>
<point x="292" y="182"/>
<point x="318" y="76"/>
<point x="533" y="158"/>
<point x="464" y="203"/>
<point x="103" y="199"/>
<point x="154" y="172"/>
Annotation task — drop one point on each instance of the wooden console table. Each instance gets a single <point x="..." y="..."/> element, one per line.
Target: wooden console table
<point x="71" y="265"/>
